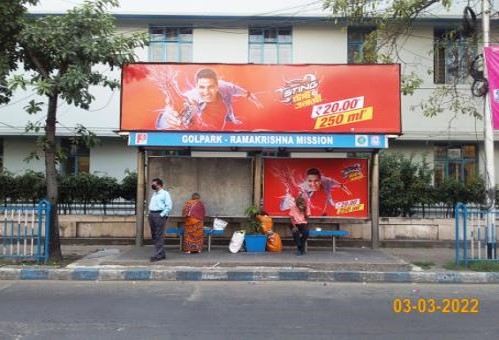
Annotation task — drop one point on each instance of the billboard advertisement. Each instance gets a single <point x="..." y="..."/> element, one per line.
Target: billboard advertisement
<point x="492" y="63"/>
<point x="261" y="98"/>
<point x="331" y="187"/>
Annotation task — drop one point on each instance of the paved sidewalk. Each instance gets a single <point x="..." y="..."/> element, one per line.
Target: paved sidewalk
<point x="319" y="264"/>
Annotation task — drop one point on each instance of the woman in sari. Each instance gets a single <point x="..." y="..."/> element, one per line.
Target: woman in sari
<point x="193" y="213"/>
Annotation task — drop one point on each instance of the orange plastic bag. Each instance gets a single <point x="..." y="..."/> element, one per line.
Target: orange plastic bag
<point x="265" y="223"/>
<point x="274" y="242"/>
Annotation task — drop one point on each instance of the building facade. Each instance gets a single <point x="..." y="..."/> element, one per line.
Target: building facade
<point x="280" y="32"/>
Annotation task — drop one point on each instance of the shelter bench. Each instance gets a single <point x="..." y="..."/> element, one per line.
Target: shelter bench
<point x="179" y="232"/>
<point x="328" y="233"/>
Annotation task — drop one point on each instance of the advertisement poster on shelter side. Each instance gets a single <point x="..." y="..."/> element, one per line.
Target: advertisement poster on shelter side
<point x="331" y="187"/>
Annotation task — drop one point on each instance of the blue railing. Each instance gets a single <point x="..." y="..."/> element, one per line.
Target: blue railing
<point x="476" y="237"/>
<point x="25" y="232"/>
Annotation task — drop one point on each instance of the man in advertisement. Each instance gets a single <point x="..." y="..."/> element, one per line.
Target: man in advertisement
<point x="209" y="106"/>
<point x="316" y="190"/>
<point x="330" y="187"/>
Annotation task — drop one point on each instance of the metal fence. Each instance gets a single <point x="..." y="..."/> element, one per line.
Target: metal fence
<point x="476" y="234"/>
<point x="117" y="207"/>
<point x="437" y="210"/>
<point x="24" y="232"/>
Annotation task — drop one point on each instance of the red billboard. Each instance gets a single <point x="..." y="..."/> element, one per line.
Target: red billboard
<point x="331" y="187"/>
<point x="252" y="98"/>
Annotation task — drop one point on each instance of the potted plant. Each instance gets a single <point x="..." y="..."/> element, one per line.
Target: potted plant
<point x="254" y="238"/>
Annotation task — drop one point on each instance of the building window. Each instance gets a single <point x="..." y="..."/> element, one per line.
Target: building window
<point x="358" y="52"/>
<point x="270" y="45"/>
<point x="457" y="162"/>
<point x="77" y="160"/>
<point x="452" y="53"/>
<point x="170" y="44"/>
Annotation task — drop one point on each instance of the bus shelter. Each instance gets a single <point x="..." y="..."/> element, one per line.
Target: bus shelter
<point x="260" y="135"/>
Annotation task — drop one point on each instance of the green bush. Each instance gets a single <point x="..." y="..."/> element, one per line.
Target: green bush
<point x="129" y="186"/>
<point x="7" y="187"/>
<point x="450" y="191"/>
<point x="30" y="187"/>
<point x="82" y="188"/>
<point x="403" y="184"/>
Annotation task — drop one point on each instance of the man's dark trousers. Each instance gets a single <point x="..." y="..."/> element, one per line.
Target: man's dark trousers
<point x="157" y="224"/>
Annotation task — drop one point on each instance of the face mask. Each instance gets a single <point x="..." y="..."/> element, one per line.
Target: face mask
<point x="154" y="187"/>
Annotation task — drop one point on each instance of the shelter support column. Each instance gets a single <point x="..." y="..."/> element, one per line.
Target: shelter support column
<point x="375" y="200"/>
<point x="257" y="182"/>
<point x="139" y="224"/>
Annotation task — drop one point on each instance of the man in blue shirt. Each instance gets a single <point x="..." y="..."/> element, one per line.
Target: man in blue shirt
<point x="160" y="207"/>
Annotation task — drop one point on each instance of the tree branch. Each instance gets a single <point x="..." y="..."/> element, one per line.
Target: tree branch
<point x="37" y="62"/>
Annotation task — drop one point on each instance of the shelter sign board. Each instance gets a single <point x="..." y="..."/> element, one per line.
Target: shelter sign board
<point x="311" y="99"/>
<point x="257" y="140"/>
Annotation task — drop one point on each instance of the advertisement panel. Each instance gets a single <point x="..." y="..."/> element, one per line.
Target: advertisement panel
<point x="492" y="63"/>
<point x="261" y="98"/>
<point x="331" y="187"/>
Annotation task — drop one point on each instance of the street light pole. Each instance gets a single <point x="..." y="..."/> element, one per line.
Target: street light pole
<point x="489" y="147"/>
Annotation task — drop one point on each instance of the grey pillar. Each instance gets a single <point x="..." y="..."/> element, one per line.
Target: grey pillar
<point x="257" y="182"/>
<point x="375" y="200"/>
<point x="139" y="224"/>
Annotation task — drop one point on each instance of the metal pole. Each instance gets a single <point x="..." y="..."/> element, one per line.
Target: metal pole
<point x="490" y="181"/>
<point x="375" y="200"/>
<point x="139" y="224"/>
<point x="257" y="184"/>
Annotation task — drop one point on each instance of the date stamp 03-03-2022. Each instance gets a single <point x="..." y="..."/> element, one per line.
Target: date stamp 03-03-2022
<point x="431" y="305"/>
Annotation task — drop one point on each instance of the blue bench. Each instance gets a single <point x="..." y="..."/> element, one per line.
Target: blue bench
<point x="328" y="233"/>
<point x="179" y="232"/>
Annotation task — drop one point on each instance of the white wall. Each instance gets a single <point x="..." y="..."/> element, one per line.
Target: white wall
<point x="416" y="53"/>
<point x="319" y="45"/>
<point x="220" y="46"/>
<point x="113" y="158"/>
<point x="15" y="150"/>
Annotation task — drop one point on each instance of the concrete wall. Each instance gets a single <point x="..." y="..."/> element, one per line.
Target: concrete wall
<point x="225" y="184"/>
<point x="85" y="226"/>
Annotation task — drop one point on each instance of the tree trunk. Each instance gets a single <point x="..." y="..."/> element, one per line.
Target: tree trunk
<point x="51" y="177"/>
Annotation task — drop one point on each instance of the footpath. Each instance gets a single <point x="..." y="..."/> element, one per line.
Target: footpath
<point x="129" y="263"/>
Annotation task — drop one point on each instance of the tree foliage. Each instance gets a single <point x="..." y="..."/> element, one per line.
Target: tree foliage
<point x="60" y="54"/>
<point x="12" y="16"/>
<point x="393" y="22"/>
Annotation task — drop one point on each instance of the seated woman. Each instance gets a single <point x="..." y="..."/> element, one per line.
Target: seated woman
<point x="194" y="213"/>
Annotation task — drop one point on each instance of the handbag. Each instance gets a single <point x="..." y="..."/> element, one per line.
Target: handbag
<point x="219" y="224"/>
